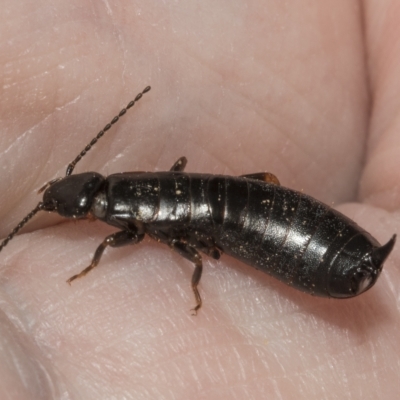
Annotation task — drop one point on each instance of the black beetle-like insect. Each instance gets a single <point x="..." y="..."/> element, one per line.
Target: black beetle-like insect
<point x="287" y="234"/>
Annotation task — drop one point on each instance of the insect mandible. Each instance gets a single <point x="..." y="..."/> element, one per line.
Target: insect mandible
<point x="287" y="234"/>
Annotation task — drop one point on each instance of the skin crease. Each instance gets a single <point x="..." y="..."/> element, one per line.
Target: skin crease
<point x="307" y="90"/>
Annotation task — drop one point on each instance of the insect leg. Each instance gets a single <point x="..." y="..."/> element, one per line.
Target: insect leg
<point x="203" y="244"/>
<point x="207" y="246"/>
<point x="191" y="254"/>
<point x="263" y="176"/>
<point x="118" y="239"/>
<point x="180" y="165"/>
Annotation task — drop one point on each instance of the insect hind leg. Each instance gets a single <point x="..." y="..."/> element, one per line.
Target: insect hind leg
<point x="263" y="176"/>
<point x="180" y="165"/>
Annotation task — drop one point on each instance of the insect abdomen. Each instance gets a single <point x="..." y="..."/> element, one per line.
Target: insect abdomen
<point x="282" y="232"/>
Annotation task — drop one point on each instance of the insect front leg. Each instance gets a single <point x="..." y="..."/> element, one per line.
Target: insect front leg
<point x="118" y="239"/>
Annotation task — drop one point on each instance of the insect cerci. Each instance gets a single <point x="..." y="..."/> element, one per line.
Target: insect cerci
<point x="280" y="231"/>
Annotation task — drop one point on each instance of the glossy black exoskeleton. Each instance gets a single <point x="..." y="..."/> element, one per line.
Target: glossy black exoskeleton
<point x="284" y="233"/>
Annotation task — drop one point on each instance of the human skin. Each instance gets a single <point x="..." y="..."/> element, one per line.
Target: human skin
<point x="307" y="90"/>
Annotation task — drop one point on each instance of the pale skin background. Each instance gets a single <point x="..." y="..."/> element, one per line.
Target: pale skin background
<point x="307" y="89"/>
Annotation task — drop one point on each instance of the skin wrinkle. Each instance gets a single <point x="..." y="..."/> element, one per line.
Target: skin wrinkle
<point x="269" y="120"/>
<point x="107" y="7"/>
<point x="25" y="59"/>
<point x="377" y="192"/>
<point x="367" y="74"/>
<point x="29" y="189"/>
<point x="290" y="138"/>
<point x="35" y="382"/>
<point x="197" y="355"/>
<point x="121" y="42"/>
<point x="215" y="159"/>
<point x="16" y="140"/>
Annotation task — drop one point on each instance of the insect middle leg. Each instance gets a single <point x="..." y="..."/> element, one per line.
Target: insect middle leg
<point x="191" y="254"/>
<point x="118" y="239"/>
<point x="188" y="247"/>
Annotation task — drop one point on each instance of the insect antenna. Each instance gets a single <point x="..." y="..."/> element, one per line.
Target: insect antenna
<point x="72" y="165"/>
<point x="20" y="225"/>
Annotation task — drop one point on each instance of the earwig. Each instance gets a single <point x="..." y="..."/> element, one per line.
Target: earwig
<point x="287" y="234"/>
